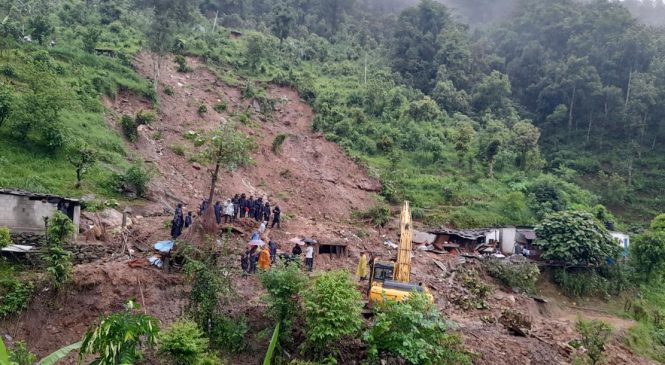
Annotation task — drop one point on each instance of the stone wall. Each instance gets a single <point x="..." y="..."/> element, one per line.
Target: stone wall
<point x="81" y="253"/>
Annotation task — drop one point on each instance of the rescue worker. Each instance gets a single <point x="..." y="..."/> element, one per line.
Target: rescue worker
<point x="218" y="212"/>
<point x="362" y="269"/>
<point x="188" y="220"/>
<point x="272" y="245"/>
<point x="228" y="211"/>
<point x="276" y="216"/>
<point x="203" y="207"/>
<point x="258" y="209"/>
<point x="236" y="206"/>
<point x="264" y="259"/>
<point x="249" y="207"/>
<point x="266" y="212"/>
<point x="241" y="205"/>
<point x="309" y="256"/>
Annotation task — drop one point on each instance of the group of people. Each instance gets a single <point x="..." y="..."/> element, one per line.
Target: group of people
<point x="229" y="211"/>
<point x="241" y="206"/>
<point x="267" y="256"/>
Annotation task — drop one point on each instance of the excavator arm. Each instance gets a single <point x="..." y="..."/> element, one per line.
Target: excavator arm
<point x="403" y="265"/>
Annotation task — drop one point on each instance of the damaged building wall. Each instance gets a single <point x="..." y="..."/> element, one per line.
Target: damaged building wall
<point x="25" y="212"/>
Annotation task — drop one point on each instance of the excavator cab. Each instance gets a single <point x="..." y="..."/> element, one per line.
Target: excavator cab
<point x="390" y="280"/>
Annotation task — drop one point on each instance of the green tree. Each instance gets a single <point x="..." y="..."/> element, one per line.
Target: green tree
<point x="5" y="237"/>
<point x="525" y="140"/>
<point x="40" y="28"/>
<point x="82" y="157"/>
<point x="59" y="266"/>
<point x="491" y="151"/>
<point x="658" y="223"/>
<point x="6" y="102"/>
<point x="493" y="94"/>
<point x="575" y="238"/>
<point x="257" y="48"/>
<point x="90" y="38"/>
<point x="332" y="311"/>
<point x="647" y="254"/>
<point x="413" y="330"/>
<point x="464" y="137"/>
<point x="119" y="337"/>
<point x="282" y="21"/>
<point x="424" y="110"/>
<point x="227" y="148"/>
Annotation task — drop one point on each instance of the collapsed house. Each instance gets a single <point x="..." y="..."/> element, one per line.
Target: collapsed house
<point x="25" y="212"/>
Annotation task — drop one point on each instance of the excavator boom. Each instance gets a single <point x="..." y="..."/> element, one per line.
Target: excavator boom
<point x="403" y="265"/>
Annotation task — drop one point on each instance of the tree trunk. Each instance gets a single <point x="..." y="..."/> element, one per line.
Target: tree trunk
<point x="570" y="110"/>
<point x="491" y="168"/>
<point x="630" y="172"/>
<point x="630" y="78"/>
<point x="653" y="144"/>
<point x="78" y="178"/>
<point x="588" y="131"/>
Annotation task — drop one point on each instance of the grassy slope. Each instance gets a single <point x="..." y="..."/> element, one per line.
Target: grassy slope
<point x="27" y="166"/>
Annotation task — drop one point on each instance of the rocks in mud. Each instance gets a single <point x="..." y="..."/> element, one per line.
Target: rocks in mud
<point x="517" y="324"/>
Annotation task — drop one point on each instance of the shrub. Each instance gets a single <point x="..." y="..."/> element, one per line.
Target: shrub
<point x="178" y="150"/>
<point x="647" y="254"/>
<point x="379" y="215"/>
<point x="283" y="285"/>
<point x="277" y="143"/>
<point x="129" y="128"/>
<point x="229" y="333"/>
<point x="581" y="283"/>
<point x="595" y="335"/>
<point x="145" y="117"/>
<point x="220" y="107"/>
<point x="20" y="355"/>
<point x="119" y="337"/>
<point x="202" y="110"/>
<point x="477" y="290"/>
<point x="14" y="296"/>
<point x="183" y="343"/>
<point x="168" y="90"/>
<point x="521" y="276"/>
<point x="414" y="331"/>
<point x="60" y="228"/>
<point x="137" y="178"/>
<point x="59" y="266"/>
<point x="5" y="237"/>
<point x="332" y="311"/>
<point x="182" y="64"/>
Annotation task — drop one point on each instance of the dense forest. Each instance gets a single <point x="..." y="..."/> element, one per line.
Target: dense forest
<point x="480" y="112"/>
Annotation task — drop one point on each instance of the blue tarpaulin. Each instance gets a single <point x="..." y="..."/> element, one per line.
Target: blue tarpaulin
<point x="164" y="246"/>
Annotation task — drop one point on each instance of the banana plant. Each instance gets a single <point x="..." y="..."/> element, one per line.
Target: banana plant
<point x="48" y="360"/>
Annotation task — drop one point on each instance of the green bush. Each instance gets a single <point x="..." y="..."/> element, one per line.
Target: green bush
<point x="183" y="343"/>
<point x="137" y="178"/>
<point x="60" y="229"/>
<point x="178" y="150"/>
<point x="59" y="266"/>
<point x="145" y="117"/>
<point x="182" y="64"/>
<point x="220" y="107"/>
<point x="581" y="282"/>
<point x="119" y="337"/>
<point x="595" y="335"/>
<point x="202" y="110"/>
<point x="277" y="143"/>
<point x="332" y="311"/>
<point x="129" y="128"/>
<point x="229" y="333"/>
<point x="5" y="237"/>
<point x="14" y="296"/>
<point x="168" y="90"/>
<point x="20" y="355"/>
<point x="522" y="276"/>
<point x="413" y="330"/>
<point x="283" y="286"/>
<point x="378" y="215"/>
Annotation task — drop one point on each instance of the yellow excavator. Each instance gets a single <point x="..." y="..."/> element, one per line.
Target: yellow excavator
<point x="391" y="280"/>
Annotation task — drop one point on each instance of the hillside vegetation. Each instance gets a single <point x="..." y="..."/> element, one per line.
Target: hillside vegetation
<point x="558" y="107"/>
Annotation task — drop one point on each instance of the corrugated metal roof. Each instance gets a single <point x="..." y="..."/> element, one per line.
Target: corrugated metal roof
<point x="29" y="194"/>
<point x="471" y="234"/>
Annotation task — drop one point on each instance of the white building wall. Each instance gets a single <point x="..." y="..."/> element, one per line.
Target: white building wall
<point x="507" y="239"/>
<point x="21" y="214"/>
